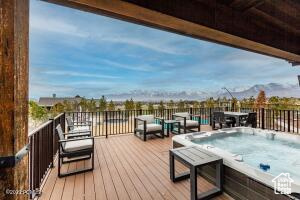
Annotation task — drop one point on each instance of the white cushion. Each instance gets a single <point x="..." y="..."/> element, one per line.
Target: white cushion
<point x="148" y="118"/>
<point x="151" y="127"/>
<point x="78" y="145"/>
<point x="80" y="128"/>
<point x="182" y="114"/>
<point x="189" y="123"/>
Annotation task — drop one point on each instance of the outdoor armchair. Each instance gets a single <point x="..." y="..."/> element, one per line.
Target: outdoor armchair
<point x="78" y="126"/>
<point x="72" y="150"/>
<point x="187" y="121"/>
<point x="146" y="125"/>
<point x="251" y="120"/>
<point x="220" y="119"/>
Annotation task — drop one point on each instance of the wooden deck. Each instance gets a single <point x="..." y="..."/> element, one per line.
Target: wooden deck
<point x="125" y="168"/>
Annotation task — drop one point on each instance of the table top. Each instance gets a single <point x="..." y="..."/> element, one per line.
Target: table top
<point x="236" y="113"/>
<point x="195" y="156"/>
<point x="171" y="121"/>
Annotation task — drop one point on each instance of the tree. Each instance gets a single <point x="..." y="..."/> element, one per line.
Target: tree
<point x="171" y="104"/>
<point x="181" y="105"/>
<point x="68" y="106"/>
<point x="111" y="106"/>
<point x="150" y="107"/>
<point x="129" y="104"/>
<point x="83" y="104"/>
<point x="261" y="99"/>
<point x="138" y="105"/>
<point x="102" y="104"/>
<point x="196" y="104"/>
<point x="161" y="106"/>
<point x="91" y="105"/>
<point x="37" y="113"/>
<point x="210" y="102"/>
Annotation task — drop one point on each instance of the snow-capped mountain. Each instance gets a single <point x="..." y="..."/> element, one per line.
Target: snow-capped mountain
<point x="271" y="89"/>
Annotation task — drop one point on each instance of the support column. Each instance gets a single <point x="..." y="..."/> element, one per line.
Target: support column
<point x="14" y="28"/>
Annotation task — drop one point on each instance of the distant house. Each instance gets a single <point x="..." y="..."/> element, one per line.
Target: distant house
<point x="49" y="102"/>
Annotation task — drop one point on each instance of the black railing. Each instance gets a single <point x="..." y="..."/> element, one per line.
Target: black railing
<point x="42" y="151"/>
<point x="108" y="123"/>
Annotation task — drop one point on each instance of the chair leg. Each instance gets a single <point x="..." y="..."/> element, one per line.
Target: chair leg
<point x="144" y="137"/>
<point x="93" y="159"/>
<point x="59" y="165"/>
<point x="163" y="134"/>
<point x="199" y="128"/>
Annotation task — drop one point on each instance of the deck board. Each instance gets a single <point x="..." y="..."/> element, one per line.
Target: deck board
<point x="125" y="168"/>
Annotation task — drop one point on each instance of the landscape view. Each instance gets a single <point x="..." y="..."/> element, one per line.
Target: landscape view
<point x="149" y="99"/>
<point x="113" y="65"/>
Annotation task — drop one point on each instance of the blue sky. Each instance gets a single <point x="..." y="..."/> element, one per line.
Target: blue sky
<point x="73" y="52"/>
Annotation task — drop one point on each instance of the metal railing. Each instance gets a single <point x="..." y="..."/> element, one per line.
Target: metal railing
<point x="43" y="142"/>
<point x="42" y="151"/>
<point x="106" y="123"/>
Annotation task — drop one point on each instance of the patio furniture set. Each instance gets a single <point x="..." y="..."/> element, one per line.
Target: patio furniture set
<point x="145" y="125"/>
<point x="231" y="119"/>
<point x="149" y="125"/>
<point x="78" y="144"/>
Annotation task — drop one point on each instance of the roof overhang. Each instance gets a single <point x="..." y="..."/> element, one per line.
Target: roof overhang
<point x="263" y="26"/>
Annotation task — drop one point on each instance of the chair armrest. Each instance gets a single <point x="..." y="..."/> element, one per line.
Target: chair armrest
<point x="178" y="116"/>
<point x="76" y="139"/>
<point x="161" y="120"/>
<point x="144" y="122"/>
<point x="75" y="135"/>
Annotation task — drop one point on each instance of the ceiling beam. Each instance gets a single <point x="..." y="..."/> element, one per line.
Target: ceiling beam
<point x="195" y="20"/>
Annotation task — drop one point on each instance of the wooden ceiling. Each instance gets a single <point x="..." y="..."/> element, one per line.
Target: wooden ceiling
<point x="270" y="27"/>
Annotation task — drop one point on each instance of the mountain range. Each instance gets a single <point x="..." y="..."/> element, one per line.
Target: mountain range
<point x="271" y="89"/>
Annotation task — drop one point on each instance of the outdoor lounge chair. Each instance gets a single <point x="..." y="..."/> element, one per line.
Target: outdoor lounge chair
<point x="75" y="149"/>
<point x="78" y="126"/>
<point x="186" y="121"/>
<point x="219" y="118"/>
<point x="145" y="125"/>
<point x="251" y="120"/>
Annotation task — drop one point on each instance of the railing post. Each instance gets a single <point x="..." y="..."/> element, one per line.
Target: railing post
<point x="210" y="116"/>
<point x="53" y="141"/>
<point x="262" y="118"/>
<point x="106" y="124"/>
<point x="289" y="120"/>
<point x="191" y="110"/>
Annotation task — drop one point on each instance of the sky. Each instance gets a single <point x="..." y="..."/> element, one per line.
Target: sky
<point x="74" y="52"/>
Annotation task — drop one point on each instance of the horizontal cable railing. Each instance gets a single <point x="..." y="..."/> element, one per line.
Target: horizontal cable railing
<point x="42" y="150"/>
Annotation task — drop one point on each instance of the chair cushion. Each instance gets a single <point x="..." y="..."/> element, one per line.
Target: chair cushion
<point x="81" y="128"/>
<point x="148" y="118"/>
<point x="189" y="123"/>
<point x="182" y="114"/>
<point x="151" y="127"/>
<point x="78" y="145"/>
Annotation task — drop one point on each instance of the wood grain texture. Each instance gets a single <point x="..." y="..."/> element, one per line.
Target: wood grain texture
<point x="125" y="168"/>
<point x="14" y="28"/>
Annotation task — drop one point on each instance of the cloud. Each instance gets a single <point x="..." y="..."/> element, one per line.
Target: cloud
<point x="56" y="25"/>
<point x="147" y="43"/>
<point x="78" y="74"/>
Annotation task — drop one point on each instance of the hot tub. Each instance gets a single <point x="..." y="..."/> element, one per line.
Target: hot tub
<point x="251" y="155"/>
